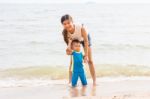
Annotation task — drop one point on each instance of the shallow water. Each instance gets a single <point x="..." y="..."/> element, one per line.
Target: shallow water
<point x="43" y="76"/>
<point x="30" y="34"/>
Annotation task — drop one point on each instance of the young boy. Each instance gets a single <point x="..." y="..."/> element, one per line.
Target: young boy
<point x="77" y="64"/>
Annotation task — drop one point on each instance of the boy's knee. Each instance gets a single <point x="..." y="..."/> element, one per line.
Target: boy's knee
<point x="84" y="83"/>
<point x="74" y="85"/>
<point x="74" y="79"/>
<point x="83" y="79"/>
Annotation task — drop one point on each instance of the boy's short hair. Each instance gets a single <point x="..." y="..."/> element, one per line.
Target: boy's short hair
<point x="75" y="41"/>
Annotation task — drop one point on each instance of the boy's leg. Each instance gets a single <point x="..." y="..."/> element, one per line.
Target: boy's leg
<point x="74" y="79"/>
<point x="83" y="79"/>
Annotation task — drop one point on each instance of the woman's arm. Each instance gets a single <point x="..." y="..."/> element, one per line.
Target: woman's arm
<point x="85" y="37"/>
<point x="69" y="50"/>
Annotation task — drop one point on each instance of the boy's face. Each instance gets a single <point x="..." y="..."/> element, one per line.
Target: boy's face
<point x="76" y="46"/>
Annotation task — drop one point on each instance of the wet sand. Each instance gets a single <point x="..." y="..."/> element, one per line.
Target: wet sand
<point x="105" y="89"/>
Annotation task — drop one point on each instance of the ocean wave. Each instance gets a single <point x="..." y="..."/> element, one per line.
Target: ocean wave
<point x="46" y="75"/>
<point x="34" y="72"/>
<point x="123" y="47"/>
<point x="11" y="82"/>
<point x="61" y="72"/>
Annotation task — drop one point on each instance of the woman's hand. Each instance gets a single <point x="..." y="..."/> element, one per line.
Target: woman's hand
<point x="85" y="59"/>
<point x="69" y="51"/>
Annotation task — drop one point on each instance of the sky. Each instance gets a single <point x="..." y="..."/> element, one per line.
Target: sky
<point x="74" y="1"/>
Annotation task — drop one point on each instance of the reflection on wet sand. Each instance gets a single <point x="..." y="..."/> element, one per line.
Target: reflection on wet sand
<point x="93" y="91"/>
<point x="82" y="91"/>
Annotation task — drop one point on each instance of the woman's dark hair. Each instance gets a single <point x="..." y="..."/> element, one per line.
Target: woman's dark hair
<point x="64" y="32"/>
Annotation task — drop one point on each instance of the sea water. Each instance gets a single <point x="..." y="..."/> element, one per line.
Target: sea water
<point x="31" y="35"/>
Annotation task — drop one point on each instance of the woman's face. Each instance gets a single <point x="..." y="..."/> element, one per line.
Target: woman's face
<point x="68" y="25"/>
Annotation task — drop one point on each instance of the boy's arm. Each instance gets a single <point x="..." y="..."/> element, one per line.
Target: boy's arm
<point x="70" y="63"/>
<point x="70" y="70"/>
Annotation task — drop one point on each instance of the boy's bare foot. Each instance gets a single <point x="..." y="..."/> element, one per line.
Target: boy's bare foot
<point x="83" y="90"/>
<point x="69" y="84"/>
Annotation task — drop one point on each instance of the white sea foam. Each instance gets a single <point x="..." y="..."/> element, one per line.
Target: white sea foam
<point x="12" y="82"/>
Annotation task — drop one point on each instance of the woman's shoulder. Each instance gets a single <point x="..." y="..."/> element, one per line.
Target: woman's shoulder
<point x="81" y="26"/>
<point x="77" y="25"/>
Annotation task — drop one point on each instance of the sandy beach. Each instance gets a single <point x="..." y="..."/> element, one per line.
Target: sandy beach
<point x="114" y="88"/>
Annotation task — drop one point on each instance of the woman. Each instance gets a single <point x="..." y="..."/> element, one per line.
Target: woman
<point x="73" y="31"/>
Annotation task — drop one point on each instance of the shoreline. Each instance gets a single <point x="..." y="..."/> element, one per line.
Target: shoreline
<point x="113" y="88"/>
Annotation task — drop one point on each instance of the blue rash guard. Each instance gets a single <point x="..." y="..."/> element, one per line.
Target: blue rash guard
<point x="78" y="70"/>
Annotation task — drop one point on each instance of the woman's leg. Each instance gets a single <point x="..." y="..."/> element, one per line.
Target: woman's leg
<point x="91" y="65"/>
